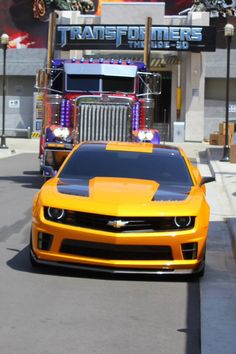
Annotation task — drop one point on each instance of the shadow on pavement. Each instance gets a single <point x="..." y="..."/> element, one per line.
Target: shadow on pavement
<point x="21" y="262"/>
<point x="16" y="170"/>
<point x="34" y="181"/>
<point x="216" y="153"/>
<point x="31" y="173"/>
<point x="213" y="152"/>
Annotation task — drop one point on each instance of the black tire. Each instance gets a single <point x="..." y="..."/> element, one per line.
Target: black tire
<point x="203" y="264"/>
<point x="34" y="264"/>
<point x="201" y="272"/>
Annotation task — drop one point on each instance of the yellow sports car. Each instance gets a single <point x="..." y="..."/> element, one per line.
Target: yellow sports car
<point x="123" y="207"/>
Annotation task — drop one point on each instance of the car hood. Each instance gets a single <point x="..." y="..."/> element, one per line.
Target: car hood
<point x="108" y="195"/>
<point x="107" y="189"/>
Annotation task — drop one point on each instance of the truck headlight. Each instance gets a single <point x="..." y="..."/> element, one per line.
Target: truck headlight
<point x="61" y="132"/>
<point x="145" y="135"/>
<point x="149" y="136"/>
<point x="141" y="135"/>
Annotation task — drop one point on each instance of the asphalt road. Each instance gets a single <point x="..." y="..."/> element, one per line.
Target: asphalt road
<point x="52" y="311"/>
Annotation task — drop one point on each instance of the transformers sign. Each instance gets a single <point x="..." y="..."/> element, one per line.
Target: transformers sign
<point x="131" y="37"/>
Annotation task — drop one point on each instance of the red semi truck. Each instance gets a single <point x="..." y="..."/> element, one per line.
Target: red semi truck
<point x="91" y="100"/>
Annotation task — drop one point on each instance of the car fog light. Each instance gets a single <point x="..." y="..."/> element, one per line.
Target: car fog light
<point x="44" y="241"/>
<point x="55" y="213"/>
<point x="182" y="221"/>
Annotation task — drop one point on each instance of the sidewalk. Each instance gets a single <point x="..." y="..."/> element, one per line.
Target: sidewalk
<point x="19" y="146"/>
<point x="218" y="286"/>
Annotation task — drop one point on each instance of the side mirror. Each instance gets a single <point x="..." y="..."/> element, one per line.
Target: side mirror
<point x="48" y="171"/>
<point x="151" y="83"/>
<point x="40" y="80"/>
<point x="156" y="84"/>
<point x="207" y="180"/>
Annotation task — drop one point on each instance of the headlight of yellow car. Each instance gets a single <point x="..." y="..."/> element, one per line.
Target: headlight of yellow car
<point x="55" y="214"/>
<point x="183" y="221"/>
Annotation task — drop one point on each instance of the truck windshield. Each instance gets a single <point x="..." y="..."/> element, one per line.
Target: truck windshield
<point x="162" y="167"/>
<point x="94" y="83"/>
<point x="82" y="83"/>
<point x="118" y="84"/>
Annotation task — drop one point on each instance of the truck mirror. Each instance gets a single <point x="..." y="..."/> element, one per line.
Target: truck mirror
<point x="40" y="79"/>
<point x="48" y="171"/>
<point x="156" y="84"/>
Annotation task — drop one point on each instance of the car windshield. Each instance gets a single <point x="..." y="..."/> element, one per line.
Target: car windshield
<point x="162" y="166"/>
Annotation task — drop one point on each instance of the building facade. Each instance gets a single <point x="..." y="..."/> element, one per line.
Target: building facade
<point x="200" y="75"/>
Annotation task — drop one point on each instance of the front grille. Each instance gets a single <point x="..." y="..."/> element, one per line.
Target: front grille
<point x="113" y="224"/>
<point x="104" y="121"/>
<point x="116" y="252"/>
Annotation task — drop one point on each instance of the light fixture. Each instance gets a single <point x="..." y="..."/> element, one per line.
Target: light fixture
<point x="229" y="33"/>
<point x="4" y="42"/>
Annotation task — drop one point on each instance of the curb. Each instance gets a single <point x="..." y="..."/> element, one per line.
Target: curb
<point x="7" y="153"/>
<point x="231" y="222"/>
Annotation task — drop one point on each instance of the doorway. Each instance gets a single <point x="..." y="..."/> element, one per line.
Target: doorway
<point x="162" y="114"/>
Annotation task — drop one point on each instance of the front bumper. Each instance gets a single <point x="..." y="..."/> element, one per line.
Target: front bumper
<point x="177" y="264"/>
<point x="107" y="270"/>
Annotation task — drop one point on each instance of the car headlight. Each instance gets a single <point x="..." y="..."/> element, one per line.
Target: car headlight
<point x="182" y="221"/>
<point x="55" y="214"/>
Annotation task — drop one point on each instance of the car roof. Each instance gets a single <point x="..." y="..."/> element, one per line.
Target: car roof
<point x="130" y="147"/>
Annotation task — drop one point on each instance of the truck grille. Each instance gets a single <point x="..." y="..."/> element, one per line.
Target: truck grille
<point x="104" y="121"/>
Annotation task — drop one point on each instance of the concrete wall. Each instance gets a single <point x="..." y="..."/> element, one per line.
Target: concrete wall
<point x="18" y="105"/>
<point x="215" y="86"/>
<point x="216" y="63"/>
<point x="195" y="86"/>
<point x="23" y="62"/>
<point x="215" y="104"/>
<point x="132" y="13"/>
<point x="21" y="68"/>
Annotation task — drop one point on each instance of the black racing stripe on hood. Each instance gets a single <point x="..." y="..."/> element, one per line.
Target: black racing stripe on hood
<point x="78" y="187"/>
<point x="171" y="193"/>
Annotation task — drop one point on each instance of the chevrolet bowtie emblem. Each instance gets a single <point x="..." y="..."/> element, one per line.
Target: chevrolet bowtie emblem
<point x="117" y="223"/>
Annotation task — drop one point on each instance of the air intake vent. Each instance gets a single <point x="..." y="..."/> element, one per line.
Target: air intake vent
<point x="189" y="250"/>
<point x="116" y="252"/>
